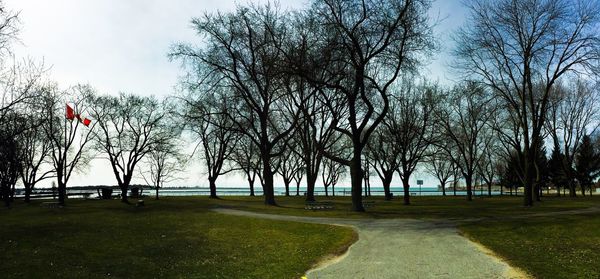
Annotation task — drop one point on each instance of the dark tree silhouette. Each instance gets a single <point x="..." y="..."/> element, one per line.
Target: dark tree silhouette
<point x="247" y="160"/>
<point x="208" y="118"/>
<point x="331" y="175"/>
<point x="34" y="152"/>
<point x="556" y="170"/>
<point x="243" y="53"/>
<point x="573" y="114"/>
<point x="520" y="49"/>
<point x="440" y="166"/>
<point x="69" y="139"/>
<point x="166" y="160"/>
<point x="464" y="122"/>
<point x="363" y="46"/>
<point x="587" y="164"/>
<point x="290" y="164"/>
<point x="129" y="127"/>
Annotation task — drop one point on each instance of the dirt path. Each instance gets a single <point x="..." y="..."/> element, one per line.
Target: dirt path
<point x="403" y="248"/>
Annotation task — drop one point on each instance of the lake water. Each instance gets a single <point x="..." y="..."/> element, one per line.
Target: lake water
<point x="319" y="191"/>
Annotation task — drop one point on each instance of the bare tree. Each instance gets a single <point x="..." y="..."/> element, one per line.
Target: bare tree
<point x="69" y="138"/>
<point x="163" y="164"/>
<point x="166" y="160"/>
<point x="440" y="166"/>
<point x="520" y="49"/>
<point x="298" y="179"/>
<point x="11" y="126"/>
<point x="464" y="121"/>
<point x="34" y="152"/>
<point x="243" y="53"/>
<point x="128" y="128"/>
<point x="247" y="160"/>
<point x="209" y="120"/>
<point x="290" y="164"/>
<point x="573" y="113"/>
<point x="331" y="175"/>
<point x="363" y="46"/>
<point x="488" y="165"/>
<point x="384" y="154"/>
<point x="411" y="123"/>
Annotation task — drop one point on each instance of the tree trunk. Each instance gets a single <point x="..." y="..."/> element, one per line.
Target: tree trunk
<point x="28" y="191"/>
<point x="287" y="187"/>
<point x="572" y="192"/>
<point x="582" y="190"/>
<point x="268" y="190"/>
<point x="213" y="188"/>
<point x="406" y="187"/>
<point x="454" y="187"/>
<point x="326" y="193"/>
<point x="443" y="185"/>
<point x="62" y="193"/>
<point x="469" y="182"/>
<point x="156" y="192"/>
<point x="298" y="188"/>
<point x="5" y="195"/>
<point x="311" y="180"/>
<point x="356" y="177"/>
<point x="387" y="181"/>
<point x="124" y="197"/>
<point x="251" y="184"/>
<point x="536" y="192"/>
<point x="489" y="189"/>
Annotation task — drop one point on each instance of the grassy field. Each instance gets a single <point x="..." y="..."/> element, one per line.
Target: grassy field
<point x="171" y="238"/>
<point x="422" y="207"/>
<point x="181" y="237"/>
<point x="546" y="247"/>
<point x="551" y="246"/>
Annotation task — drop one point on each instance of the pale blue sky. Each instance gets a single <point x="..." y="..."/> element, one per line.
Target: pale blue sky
<point x="118" y="45"/>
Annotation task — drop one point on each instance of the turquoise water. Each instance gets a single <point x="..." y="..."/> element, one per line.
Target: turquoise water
<point x="339" y="191"/>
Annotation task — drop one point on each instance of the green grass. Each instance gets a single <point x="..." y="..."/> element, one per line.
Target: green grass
<point x="421" y="207"/>
<point x="171" y="238"/>
<point x="182" y="238"/>
<point x="546" y="247"/>
<point x="554" y="246"/>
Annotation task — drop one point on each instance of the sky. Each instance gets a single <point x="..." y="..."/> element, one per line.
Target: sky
<point x="122" y="45"/>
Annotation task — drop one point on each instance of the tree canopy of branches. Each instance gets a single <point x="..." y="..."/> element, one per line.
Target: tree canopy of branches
<point x="464" y="122"/>
<point x="128" y="128"/>
<point x="587" y="163"/>
<point x="573" y="114"/>
<point x="243" y="54"/>
<point x="520" y="49"/>
<point x="362" y="47"/>
<point x="331" y="175"/>
<point x="247" y="160"/>
<point x="69" y="139"/>
<point x="208" y="118"/>
<point x="166" y="160"/>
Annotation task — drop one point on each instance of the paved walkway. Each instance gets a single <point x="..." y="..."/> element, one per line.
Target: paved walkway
<point x="403" y="248"/>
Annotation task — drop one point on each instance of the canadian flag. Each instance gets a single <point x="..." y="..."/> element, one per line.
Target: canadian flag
<point x="70" y="114"/>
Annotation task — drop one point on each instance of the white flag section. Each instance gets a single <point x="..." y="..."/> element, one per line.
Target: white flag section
<point x="71" y="114"/>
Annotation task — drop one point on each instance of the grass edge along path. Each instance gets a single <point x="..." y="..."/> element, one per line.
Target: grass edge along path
<point x="561" y="246"/>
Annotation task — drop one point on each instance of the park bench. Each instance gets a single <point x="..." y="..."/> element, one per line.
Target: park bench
<point x="367" y="204"/>
<point x="50" y="204"/>
<point x="314" y="205"/>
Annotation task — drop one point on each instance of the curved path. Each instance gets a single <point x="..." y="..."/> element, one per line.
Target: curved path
<point x="403" y="248"/>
